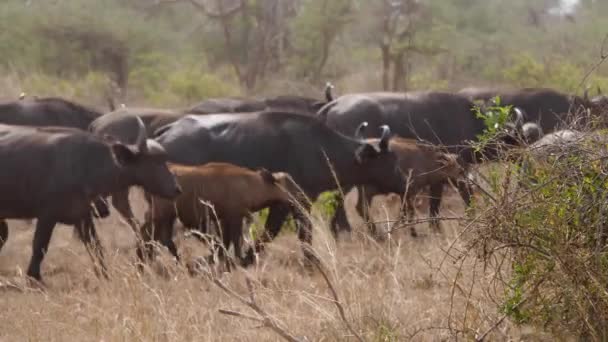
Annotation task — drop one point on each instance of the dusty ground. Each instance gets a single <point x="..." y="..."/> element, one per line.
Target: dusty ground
<point x="391" y="291"/>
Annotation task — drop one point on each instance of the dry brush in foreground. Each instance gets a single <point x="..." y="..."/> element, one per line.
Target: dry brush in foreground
<point x="405" y="289"/>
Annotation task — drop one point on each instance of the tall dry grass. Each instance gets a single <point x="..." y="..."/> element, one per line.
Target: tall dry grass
<point x="404" y="289"/>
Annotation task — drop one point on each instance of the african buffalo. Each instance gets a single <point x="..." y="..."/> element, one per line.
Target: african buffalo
<point x="302" y="146"/>
<point x="422" y="165"/>
<point x="123" y="125"/>
<point x="600" y="103"/>
<point x="289" y="103"/>
<point x="438" y="118"/>
<point x="53" y="173"/>
<point x="233" y="192"/>
<point x="226" y="105"/>
<point x="547" y="107"/>
<point x="47" y="112"/>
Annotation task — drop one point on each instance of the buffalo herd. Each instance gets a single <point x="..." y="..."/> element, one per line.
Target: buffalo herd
<point x="222" y="159"/>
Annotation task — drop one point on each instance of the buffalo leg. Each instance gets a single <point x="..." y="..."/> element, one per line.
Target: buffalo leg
<point x="436" y="192"/>
<point x="410" y="213"/>
<point x="145" y="251"/>
<point x="276" y="218"/>
<point x="465" y="191"/>
<point x="305" y="233"/>
<point x="165" y="236"/>
<point x="40" y="245"/>
<point x="232" y="233"/>
<point x="120" y="201"/>
<point x="3" y="233"/>
<point x="101" y="208"/>
<point x="365" y="194"/>
<point x="339" y="220"/>
<point x="88" y="235"/>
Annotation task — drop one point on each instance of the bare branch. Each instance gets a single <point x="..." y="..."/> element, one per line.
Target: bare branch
<point x="265" y="320"/>
<point x="338" y="304"/>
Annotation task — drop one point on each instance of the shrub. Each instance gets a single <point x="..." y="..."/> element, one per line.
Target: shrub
<point x="553" y="233"/>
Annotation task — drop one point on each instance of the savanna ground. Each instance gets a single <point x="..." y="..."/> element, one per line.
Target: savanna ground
<point x="403" y="289"/>
<point x="173" y="54"/>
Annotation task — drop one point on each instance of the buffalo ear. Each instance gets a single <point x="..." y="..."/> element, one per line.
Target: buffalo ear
<point x="124" y="154"/>
<point x="365" y="152"/>
<point x="267" y="176"/>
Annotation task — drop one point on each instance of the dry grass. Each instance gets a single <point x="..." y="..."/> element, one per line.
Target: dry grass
<point x="391" y="291"/>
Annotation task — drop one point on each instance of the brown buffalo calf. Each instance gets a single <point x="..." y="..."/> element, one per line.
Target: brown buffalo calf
<point x="422" y="165"/>
<point x="234" y="192"/>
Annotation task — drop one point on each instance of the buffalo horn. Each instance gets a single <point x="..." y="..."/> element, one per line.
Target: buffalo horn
<point x="519" y="117"/>
<point x="386" y="133"/>
<point x="141" y="142"/>
<point x="360" y="129"/>
<point x="328" y="95"/>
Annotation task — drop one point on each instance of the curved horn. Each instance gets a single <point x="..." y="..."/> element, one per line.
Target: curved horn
<point x="142" y="136"/>
<point x="328" y="88"/>
<point x="384" y="138"/>
<point x="519" y="117"/>
<point x="360" y="129"/>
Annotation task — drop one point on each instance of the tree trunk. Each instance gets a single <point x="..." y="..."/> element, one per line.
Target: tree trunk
<point x="386" y="65"/>
<point x="399" y="71"/>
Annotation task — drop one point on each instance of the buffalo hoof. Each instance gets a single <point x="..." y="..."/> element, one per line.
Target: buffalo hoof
<point x="35" y="283"/>
<point x="435" y="227"/>
<point x="249" y="258"/>
<point x="413" y="232"/>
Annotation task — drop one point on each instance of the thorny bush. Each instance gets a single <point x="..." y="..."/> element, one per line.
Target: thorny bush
<point x="545" y="231"/>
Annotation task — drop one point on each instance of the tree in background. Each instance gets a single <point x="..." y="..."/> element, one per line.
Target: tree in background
<point x="316" y="28"/>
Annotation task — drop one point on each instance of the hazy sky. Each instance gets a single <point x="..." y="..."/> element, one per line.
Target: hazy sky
<point x="567" y="7"/>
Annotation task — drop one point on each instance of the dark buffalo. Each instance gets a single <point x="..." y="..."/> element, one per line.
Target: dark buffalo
<point x="227" y="105"/>
<point x="547" y="107"/>
<point x="600" y="103"/>
<point x="299" y="104"/>
<point x="438" y="118"/>
<point x="283" y="142"/>
<point x="53" y="173"/>
<point x="423" y="166"/>
<point x="289" y="103"/>
<point x="123" y="125"/>
<point x="47" y="112"/>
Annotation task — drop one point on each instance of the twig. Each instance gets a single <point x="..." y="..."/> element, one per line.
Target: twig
<point x="338" y="304"/>
<point x="482" y="337"/>
<point x="265" y="320"/>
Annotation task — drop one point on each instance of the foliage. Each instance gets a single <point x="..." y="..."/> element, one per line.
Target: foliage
<point x="553" y="230"/>
<point x="495" y="117"/>
<point x="167" y="48"/>
<point x="317" y="25"/>
<point x="328" y="202"/>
